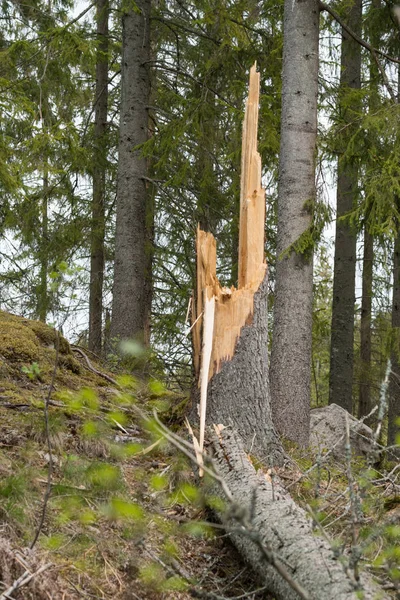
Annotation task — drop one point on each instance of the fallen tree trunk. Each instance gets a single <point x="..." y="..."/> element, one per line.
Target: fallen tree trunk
<point x="285" y="529"/>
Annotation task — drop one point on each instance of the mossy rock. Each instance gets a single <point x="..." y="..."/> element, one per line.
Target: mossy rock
<point x="48" y="336"/>
<point x="27" y="359"/>
<point x="69" y="362"/>
<point x="21" y="339"/>
<point x="17" y="342"/>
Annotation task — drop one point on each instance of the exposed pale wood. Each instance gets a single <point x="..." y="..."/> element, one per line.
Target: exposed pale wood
<point x="234" y="307"/>
<point x="252" y="195"/>
<point x="206" y="252"/>
<point x="208" y="331"/>
<point x="196" y="446"/>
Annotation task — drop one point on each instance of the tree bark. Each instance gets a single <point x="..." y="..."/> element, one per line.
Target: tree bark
<point x="364" y="400"/>
<point x="394" y="385"/>
<point x="290" y="372"/>
<point x="131" y="298"/>
<point x="99" y="181"/>
<point x="342" y="334"/>
<point x="238" y="395"/>
<point x="285" y="529"/>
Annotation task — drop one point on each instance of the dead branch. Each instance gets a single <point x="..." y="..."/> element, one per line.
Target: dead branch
<point x="92" y="368"/>
<point x="363" y="43"/>
<point x="25" y="578"/>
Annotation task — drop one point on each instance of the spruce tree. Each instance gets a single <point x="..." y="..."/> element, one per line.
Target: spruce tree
<point x="342" y="334"/>
<point x="130" y="301"/>
<point x="99" y="180"/>
<point x="290" y="370"/>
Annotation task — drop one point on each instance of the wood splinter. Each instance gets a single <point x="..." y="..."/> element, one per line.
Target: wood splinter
<point x="219" y="313"/>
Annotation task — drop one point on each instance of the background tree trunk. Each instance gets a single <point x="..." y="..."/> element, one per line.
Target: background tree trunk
<point x="364" y="401"/>
<point x="99" y="181"/>
<point x="394" y="386"/>
<point x="292" y="333"/>
<point x="43" y="296"/>
<point x="130" y="297"/>
<point x="342" y="334"/>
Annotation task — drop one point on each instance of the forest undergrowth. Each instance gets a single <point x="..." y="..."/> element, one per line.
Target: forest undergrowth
<point x="113" y="509"/>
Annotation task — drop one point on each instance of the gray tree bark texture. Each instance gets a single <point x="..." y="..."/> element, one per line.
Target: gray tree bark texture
<point x="130" y="294"/>
<point x="364" y="399"/>
<point x="291" y="345"/>
<point x="364" y="396"/>
<point x="285" y="529"/>
<point x="342" y="334"/>
<point x="239" y="394"/>
<point x="394" y="385"/>
<point x="99" y="182"/>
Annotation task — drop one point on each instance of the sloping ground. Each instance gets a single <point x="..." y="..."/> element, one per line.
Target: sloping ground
<point x="123" y="516"/>
<point x="116" y="520"/>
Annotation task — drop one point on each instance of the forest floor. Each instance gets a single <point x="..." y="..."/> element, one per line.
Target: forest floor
<point x="123" y="515"/>
<point x="120" y="519"/>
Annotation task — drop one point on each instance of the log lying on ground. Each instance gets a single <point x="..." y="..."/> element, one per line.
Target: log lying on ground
<point x="285" y="529"/>
<point x="230" y="326"/>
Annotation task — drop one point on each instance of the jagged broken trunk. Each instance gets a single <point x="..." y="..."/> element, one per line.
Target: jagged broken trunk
<point x="230" y="326"/>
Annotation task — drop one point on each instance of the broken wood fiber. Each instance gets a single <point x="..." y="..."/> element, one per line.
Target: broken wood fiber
<point x="233" y="307"/>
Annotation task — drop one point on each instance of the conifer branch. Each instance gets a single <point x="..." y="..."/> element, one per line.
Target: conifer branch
<point x="171" y="24"/>
<point x="355" y="37"/>
<point x="384" y="77"/>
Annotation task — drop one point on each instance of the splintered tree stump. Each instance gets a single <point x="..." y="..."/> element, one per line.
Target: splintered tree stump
<point x="229" y="325"/>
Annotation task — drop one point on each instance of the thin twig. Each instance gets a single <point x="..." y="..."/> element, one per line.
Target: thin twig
<point x="355" y="551"/>
<point x="25" y="578"/>
<point x="199" y="593"/>
<point x="51" y="463"/>
<point x="171" y="438"/>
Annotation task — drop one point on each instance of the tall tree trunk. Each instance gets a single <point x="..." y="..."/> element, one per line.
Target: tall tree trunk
<point x="364" y="400"/>
<point x="394" y="386"/>
<point x="290" y="371"/>
<point x="208" y="205"/>
<point x="342" y="334"/>
<point x="130" y="297"/>
<point x="43" y="296"/>
<point x="99" y="181"/>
